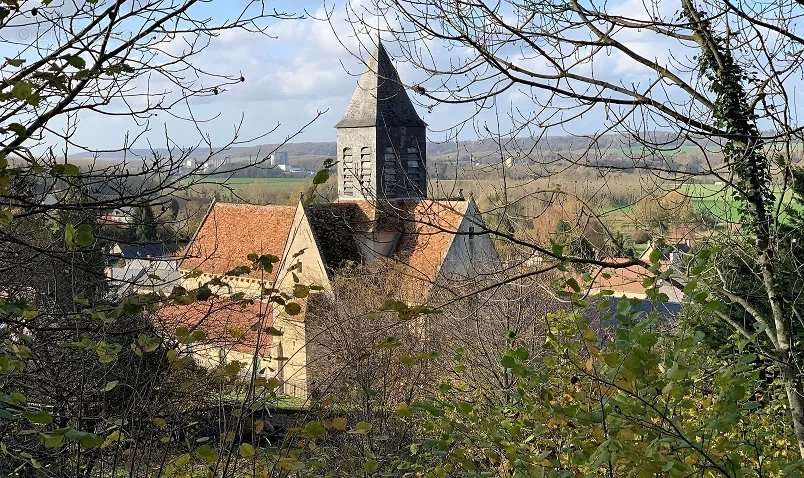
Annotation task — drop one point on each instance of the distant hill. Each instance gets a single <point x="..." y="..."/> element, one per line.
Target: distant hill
<point x="311" y="154"/>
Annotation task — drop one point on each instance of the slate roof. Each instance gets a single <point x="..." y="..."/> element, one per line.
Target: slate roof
<point x="230" y="232"/>
<point x="380" y="98"/>
<point x="228" y="324"/>
<point x="142" y="250"/>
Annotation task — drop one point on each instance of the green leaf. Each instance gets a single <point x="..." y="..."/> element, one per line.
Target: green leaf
<point x="69" y="236"/>
<point x="90" y="440"/>
<point x="52" y="440"/>
<point x="110" y="386"/>
<point x="314" y="430"/>
<point x="84" y="236"/>
<point x="40" y="417"/>
<point x="203" y="293"/>
<point x="182" y="460"/>
<point x="65" y="169"/>
<point x="292" y="308"/>
<point x="300" y="291"/>
<point x="22" y="90"/>
<point x="76" y="61"/>
<point x="17" y="128"/>
<point x="207" y="453"/>
<point x="246" y="450"/>
<point x="6" y="216"/>
<point x="573" y="284"/>
<point x="111" y="439"/>
<point x="273" y="331"/>
<point x="340" y="424"/>
<point x="371" y="466"/>
<point x="361" y="428"/>
<point x="321" y="177"/>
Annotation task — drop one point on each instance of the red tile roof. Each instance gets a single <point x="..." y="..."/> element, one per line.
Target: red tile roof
<point x="426" y="227"/>
<point x="231" y="232"/>
<point x="626" y="280"/>
<point x="429" y="230"/>
<point x="228" y="324"/>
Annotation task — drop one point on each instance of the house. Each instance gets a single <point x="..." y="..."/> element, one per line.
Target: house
<point x="118" y="216"/>
<point x="141" y="267"/>
<point x="383" y="213"/>
<point x="628" y="282"/>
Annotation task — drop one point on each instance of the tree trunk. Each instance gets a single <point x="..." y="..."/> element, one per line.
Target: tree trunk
<point x="794" y="398"/>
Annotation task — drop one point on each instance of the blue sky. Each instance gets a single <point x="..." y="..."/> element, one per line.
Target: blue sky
<point x="304" y="70"/>
<point x="288" y="79"/>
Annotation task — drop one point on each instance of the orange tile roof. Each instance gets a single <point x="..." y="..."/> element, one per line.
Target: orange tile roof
<point x="429" y="230"/>
<point x="230" y="232"/>
<point x="622" y="280"/>
<point x="227" y="323"/>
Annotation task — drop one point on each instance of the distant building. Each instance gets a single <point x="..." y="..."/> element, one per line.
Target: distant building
<point x="205" y="165"/>
<point x="279" y="159"/>
<point x="141" y="267"/>
<point x="120" y="216"/>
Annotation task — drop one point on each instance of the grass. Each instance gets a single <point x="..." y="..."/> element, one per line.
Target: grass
<point x="719" y="200"/>
<point x="253" y="190"/>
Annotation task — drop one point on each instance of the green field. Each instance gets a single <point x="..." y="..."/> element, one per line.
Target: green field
<point x="719" y="200"/>
<point x="253" y="190"/>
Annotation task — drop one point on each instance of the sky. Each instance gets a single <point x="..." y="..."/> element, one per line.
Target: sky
<point x="304" y="69"/>
<point x="289" y="79"/>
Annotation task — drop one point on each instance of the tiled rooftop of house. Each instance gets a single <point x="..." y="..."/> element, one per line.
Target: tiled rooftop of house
<point x="231" y="232"/>
<point x="228" y="324"/>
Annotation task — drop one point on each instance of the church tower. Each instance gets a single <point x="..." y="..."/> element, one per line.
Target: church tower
<point x="381" y="140"/>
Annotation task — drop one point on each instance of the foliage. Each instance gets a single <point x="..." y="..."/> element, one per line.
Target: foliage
<point x="643" y="403"/>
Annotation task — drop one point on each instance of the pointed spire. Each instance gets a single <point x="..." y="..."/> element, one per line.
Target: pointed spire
<point x="380" y="98"/>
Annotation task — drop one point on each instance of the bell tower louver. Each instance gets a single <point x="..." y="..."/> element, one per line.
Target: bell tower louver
<point x="381" y="140"/>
